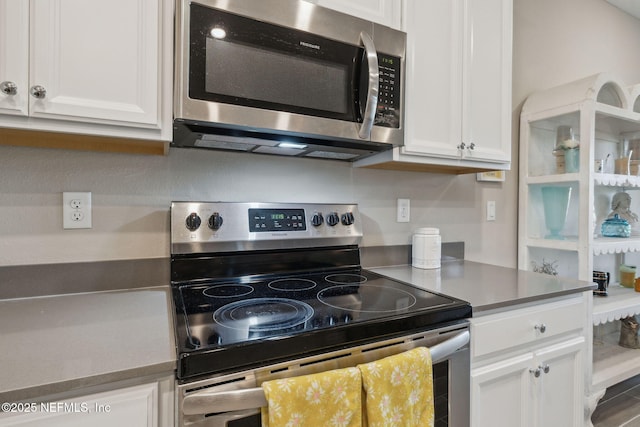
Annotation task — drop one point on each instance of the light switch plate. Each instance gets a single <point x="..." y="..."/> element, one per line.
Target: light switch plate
<point x="404" y="210"/>
<point x="491" y="210"/>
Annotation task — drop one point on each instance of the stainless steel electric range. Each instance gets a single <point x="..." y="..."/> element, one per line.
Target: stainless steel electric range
<point x="261" y="288"/>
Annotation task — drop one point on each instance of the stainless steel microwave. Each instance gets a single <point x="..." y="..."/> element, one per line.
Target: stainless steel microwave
<point x="286" y="77"/>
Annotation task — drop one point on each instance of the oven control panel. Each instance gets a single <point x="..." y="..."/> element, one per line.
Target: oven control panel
<point x="199" y="227"/>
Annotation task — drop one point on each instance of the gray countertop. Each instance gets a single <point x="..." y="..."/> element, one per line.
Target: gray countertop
<point x="486" y="287"/>
<point x="57" y="343"/>
<point x="54" y="344"/>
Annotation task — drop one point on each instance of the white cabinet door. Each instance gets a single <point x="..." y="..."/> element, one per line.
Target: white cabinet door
<point x="433" y="88"/>
<point x="486" y="85"/>
<point x="14" y="57"/>
<point x="458" y="80"/>
<point x="132" y="407"/>
<point x="385" y="12"/>
<point x="560" y="393"/>
<point x="540" y="388"/>
<point x="97" y="61"/>
<point x="96" y="68"/>
<point x="501" y="393"/>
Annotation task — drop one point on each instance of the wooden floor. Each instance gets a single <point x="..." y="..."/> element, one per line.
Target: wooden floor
<point x="620" y="406"/>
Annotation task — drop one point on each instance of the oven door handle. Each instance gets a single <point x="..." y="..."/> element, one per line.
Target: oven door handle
<point x="204" y="402"/>
<point x="442" y="351"/>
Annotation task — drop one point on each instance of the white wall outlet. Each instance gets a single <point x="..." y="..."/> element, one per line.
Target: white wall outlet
<point x="404" y="210"/>
<point x="76" y="210"/>
<point x="491" y="210"/>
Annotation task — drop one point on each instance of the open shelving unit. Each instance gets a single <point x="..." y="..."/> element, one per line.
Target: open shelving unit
<point x="612" y="363"/>
<point x="603" y="113"/>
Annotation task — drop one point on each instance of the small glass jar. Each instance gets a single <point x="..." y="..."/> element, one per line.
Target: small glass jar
<point x="616" y="227"/>
<point x="627" y="275"/>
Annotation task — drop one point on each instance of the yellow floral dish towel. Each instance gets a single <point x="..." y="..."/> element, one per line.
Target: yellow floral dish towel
<point x="328" y="399"/>
<point x="399" y="390"/>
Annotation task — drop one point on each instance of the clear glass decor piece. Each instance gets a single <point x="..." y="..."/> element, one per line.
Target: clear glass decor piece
<point x="572" y="160"/>
<point x="556" y="205"/>
<point x="616" y="227"/>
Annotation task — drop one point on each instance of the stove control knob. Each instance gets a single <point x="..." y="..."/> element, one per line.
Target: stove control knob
<point x="333" y="219"/>
<point x="193" y="221"/>
<point x="317" y="219"/>
<point x="347" y="218"/>
<point x="215" y="221"/>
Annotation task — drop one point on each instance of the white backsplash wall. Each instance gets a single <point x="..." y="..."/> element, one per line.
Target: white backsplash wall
<point x="554" y="42"/>
<point x="131" y="195"/>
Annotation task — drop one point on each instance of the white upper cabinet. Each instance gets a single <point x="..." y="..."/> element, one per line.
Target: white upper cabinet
<point x="385" y="12"/>
<point x="458" y="91"/>
<point x="14" y="57"/>
<point x="457" y="87"/>
<point x="87" y="66"/>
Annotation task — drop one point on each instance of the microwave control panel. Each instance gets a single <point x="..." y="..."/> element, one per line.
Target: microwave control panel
<point x="388" y="112"/>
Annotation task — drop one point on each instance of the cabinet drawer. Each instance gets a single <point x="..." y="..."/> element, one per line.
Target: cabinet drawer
<point x="498" y="332"/>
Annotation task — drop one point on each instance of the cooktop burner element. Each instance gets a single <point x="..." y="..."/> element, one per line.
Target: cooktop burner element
<point x="371" y="299"/>
<point x="228" y="291"/>
<point x="296" y="284"/>
<point x="263" y="315"/>
<point x="276" y="281"/>
<point x="345" y="279"/>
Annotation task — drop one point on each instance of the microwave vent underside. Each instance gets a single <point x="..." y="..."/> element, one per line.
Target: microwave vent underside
<point x="203" y="137"/>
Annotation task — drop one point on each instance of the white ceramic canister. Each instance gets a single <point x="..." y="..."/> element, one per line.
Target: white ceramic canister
<point x="425" y="251"/>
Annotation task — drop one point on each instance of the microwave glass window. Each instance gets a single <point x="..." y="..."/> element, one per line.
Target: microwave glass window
<point x="284" y="79"/>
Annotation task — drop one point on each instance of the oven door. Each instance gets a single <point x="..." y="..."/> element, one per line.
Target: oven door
<point x="235" y="400"/>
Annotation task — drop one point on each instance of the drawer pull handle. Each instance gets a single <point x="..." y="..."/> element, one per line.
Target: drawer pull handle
<point x="541" y="327"/>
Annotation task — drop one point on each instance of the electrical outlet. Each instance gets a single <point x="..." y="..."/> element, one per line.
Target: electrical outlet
<point x="76" y="210"/>
<point x="404" y="210"/>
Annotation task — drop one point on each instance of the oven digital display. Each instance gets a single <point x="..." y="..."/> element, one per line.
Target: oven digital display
<point x="277" y="220"/>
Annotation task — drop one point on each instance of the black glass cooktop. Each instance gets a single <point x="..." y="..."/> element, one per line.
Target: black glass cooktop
<point x="273" y="318"/>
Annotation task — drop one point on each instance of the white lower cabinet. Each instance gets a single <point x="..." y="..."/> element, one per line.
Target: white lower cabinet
<point x="529" y="367"/>
<point x="540" y="388"/>
<point x="144" y="405"/>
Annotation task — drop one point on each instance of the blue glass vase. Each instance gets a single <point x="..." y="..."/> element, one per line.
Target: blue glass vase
<point x="556" y="205"/>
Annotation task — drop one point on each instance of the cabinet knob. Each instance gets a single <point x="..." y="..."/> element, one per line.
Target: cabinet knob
<point x="541" y="327"/>
<point x="539" y="370"/>
<point x="472" y="146"/>
<point x="9" y="88"/>
<point x="462" y="146"/>
<point x="38" y="92"/>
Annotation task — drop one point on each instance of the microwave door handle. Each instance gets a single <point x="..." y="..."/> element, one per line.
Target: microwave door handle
<point x="372" y="91"/>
